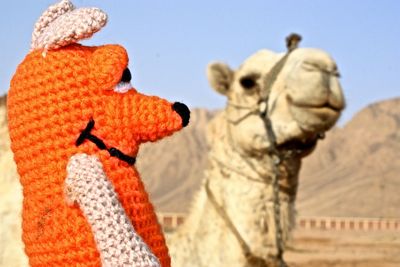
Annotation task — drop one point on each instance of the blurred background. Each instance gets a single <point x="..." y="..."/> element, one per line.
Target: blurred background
<point x="352" y="177"/>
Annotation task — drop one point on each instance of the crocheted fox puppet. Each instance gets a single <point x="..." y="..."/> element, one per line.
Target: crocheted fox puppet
<point x="76" y="124"/>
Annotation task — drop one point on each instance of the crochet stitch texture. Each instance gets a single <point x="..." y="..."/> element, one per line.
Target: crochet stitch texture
<point x="50" y="101"/>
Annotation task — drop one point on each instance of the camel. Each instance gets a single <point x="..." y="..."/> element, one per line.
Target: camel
<point x="277" y="104"/>
<point x="11" y="248"/>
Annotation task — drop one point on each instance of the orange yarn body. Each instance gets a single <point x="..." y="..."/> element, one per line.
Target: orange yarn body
<point x="50" y="101"/>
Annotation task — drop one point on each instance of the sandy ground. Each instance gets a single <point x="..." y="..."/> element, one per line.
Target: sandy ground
<point x="344" y="249"/>
<point x="338" y="249"/>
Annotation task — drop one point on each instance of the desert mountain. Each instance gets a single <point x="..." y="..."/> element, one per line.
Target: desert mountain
<point x="356" y="170"/>
<point x="173" y="167"/>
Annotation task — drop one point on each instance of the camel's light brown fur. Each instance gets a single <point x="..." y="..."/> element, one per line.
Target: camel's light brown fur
<point x="305" y="101"/>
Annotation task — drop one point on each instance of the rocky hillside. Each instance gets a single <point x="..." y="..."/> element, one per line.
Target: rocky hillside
<point x="172" y="168"/>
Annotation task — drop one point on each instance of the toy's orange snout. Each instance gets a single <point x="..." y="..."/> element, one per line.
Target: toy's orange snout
<point x="145" y="118"/>
<point x="155" y="118"/>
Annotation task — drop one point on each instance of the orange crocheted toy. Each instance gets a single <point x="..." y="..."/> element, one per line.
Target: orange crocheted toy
<point x="76" y="125"/>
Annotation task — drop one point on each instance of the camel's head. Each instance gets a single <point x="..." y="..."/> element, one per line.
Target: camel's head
<point x="305" y="100"/>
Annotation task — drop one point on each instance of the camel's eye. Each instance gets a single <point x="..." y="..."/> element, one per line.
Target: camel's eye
<point x="125" y="83"/>
<point x="248" y="82"/>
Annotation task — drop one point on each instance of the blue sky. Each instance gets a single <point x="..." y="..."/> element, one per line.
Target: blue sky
<point x="171" y="42"/>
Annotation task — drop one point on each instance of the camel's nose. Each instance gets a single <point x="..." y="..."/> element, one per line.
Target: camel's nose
<point x="183" y="111"/>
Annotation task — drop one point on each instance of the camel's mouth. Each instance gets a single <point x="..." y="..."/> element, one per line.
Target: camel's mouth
<point x="327" y="105"/>
<point x="299" y="146"/>
<point x="326" y="113"/>
<point x="324" y="108"/>
<point x="315" y="117"/>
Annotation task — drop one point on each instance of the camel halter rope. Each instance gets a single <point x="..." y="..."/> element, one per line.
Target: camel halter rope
<point x="292" y="42"/>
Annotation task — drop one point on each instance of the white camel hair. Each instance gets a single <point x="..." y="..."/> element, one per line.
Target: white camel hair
<point x="304" y="102"/>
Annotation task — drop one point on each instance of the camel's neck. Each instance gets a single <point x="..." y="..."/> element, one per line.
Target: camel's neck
<point x="241" y="186"/>
<point x="225" y="157"/>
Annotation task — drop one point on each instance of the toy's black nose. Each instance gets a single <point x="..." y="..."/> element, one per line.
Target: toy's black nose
<point x="183" y="111"/>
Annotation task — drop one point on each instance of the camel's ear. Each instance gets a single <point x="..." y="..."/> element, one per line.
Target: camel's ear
<point x="220" y="77"/>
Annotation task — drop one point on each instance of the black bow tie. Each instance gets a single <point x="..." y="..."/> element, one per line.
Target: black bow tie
<point x="114" y="152"/>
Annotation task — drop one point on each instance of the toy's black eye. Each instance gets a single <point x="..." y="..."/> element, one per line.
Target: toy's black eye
<point x="126" y="76"/>
<point x="124" y="84"/>
<point x="248" y="82"/>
